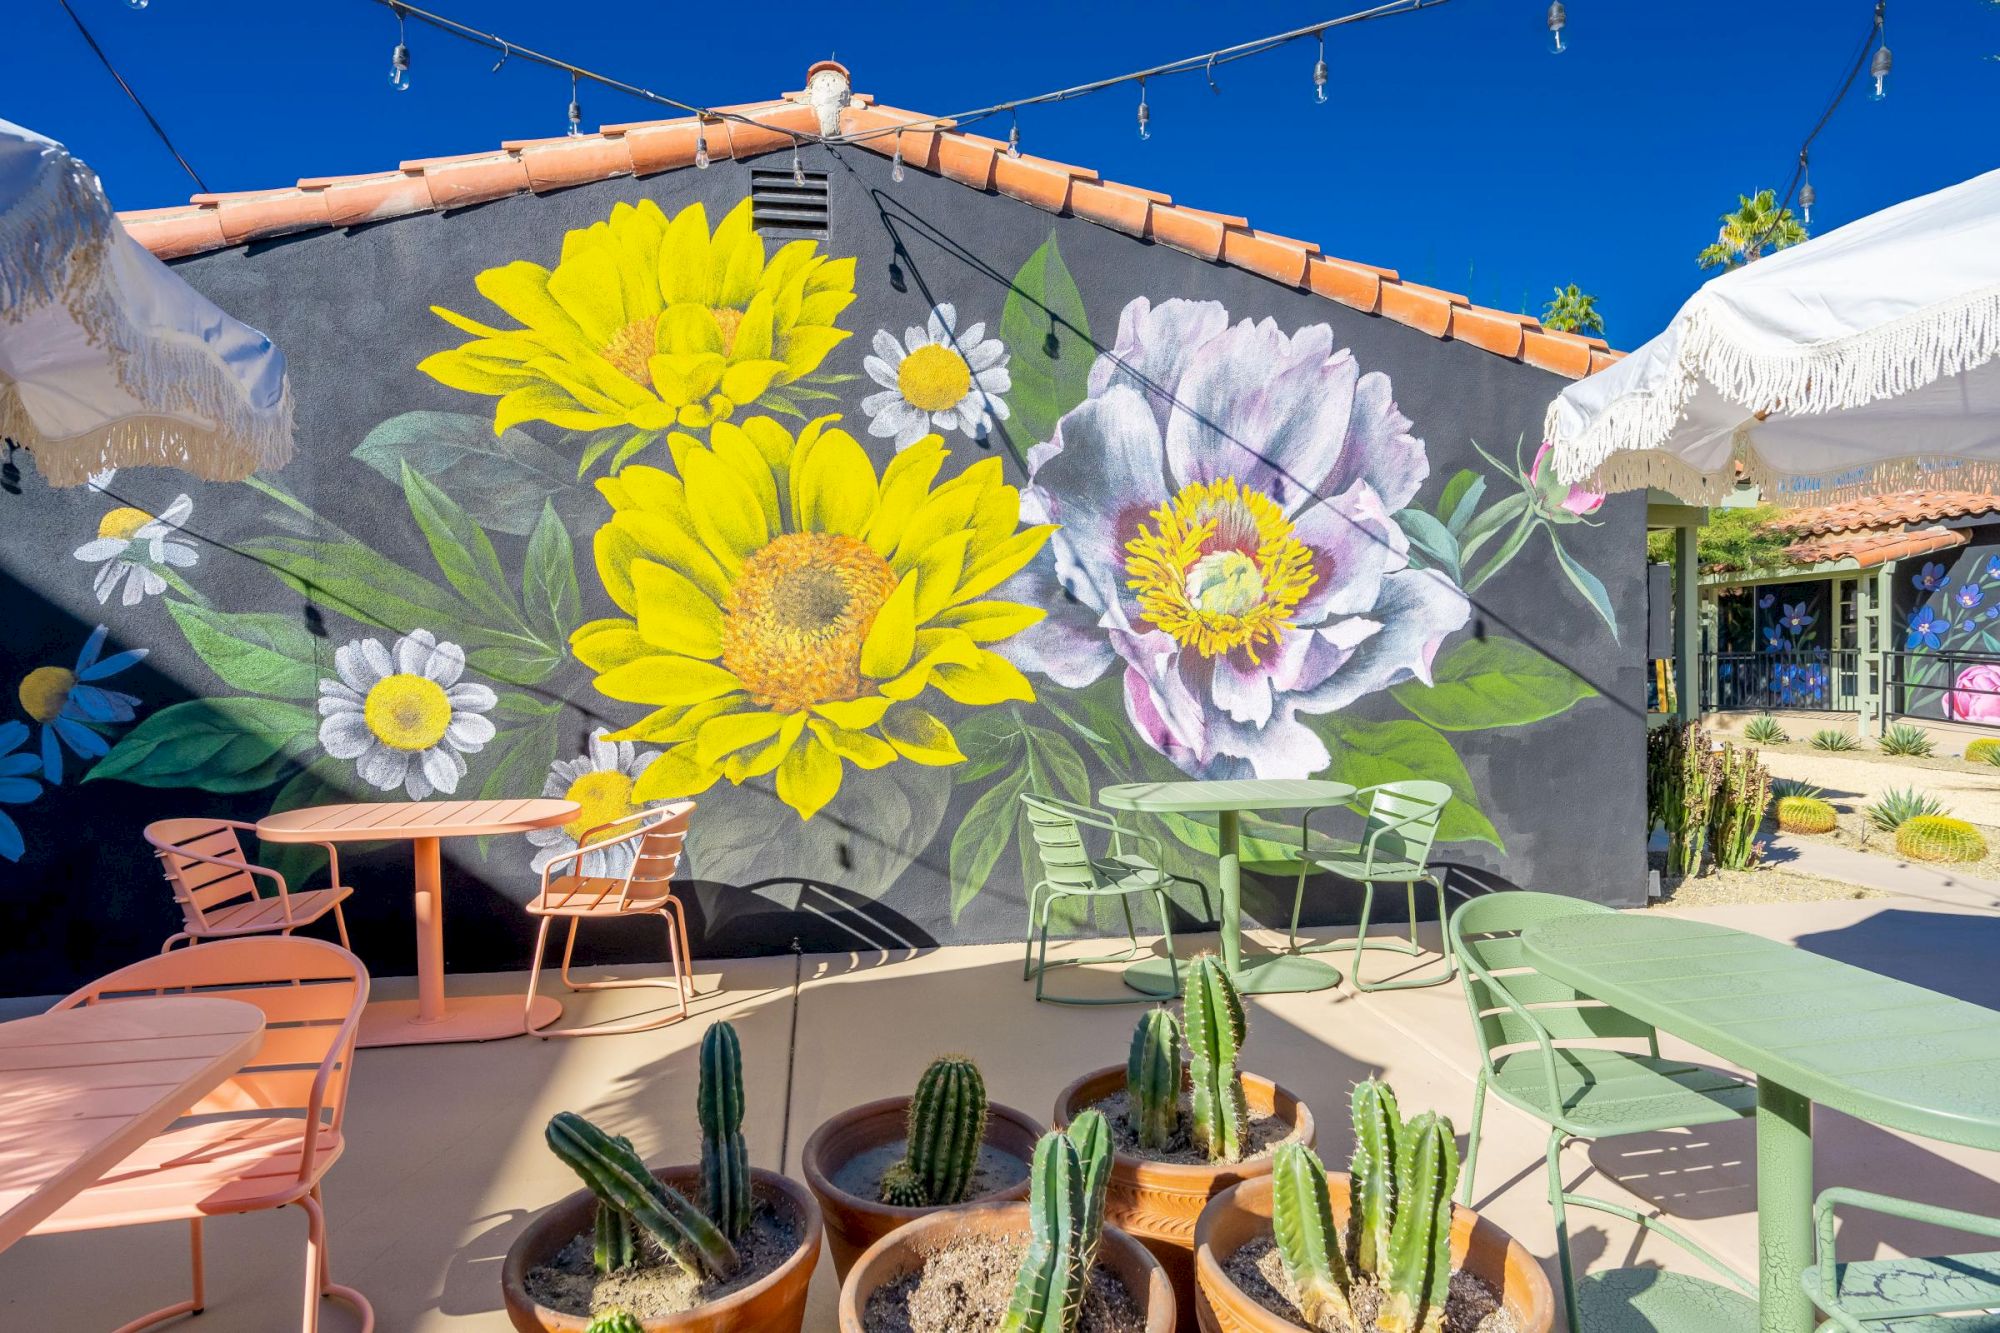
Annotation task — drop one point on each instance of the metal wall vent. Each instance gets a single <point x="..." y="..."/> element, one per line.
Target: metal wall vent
<point x="781" y="206"/>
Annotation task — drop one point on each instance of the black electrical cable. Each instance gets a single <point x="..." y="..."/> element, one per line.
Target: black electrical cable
<point x="152" y="120"/>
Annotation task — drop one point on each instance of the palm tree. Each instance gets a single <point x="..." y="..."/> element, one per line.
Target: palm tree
<point x="1757" y="224"/>
<point x="1573" y="311"/>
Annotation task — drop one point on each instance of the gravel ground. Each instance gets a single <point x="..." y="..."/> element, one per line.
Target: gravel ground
<point x="1851" y="781"/>
<point x="1765" y="884"/>
<point x="1856" y="833"/>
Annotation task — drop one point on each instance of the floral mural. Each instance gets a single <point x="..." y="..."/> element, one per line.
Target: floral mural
<point x="671" y="532"/>
<point x="1951" y="637"/>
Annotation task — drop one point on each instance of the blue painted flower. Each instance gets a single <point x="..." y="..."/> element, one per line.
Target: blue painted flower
<point x="1930" y="578"/>
<point x="1993" y="566"/>
<point x="72" y="708"/>
<point x="1796" y="619"/>
<point x="17" y="784"/>
<point x="1968" y="595"/>
<point x="1925" y="628"/>
<point x="1774" y="639"/>
<point x="1766" y="600"/>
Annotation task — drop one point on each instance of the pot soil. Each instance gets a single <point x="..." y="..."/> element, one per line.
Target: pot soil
<point x="548" y="1287"/>
<point x="1496" y="1286"/>
<point x="845" y="1157"/>
<point x="1158" y="1201"/>
<point x="952" y="1271"/>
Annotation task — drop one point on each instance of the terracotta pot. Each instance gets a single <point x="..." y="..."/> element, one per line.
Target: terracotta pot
<point x="1159" y="1202"/>
<point x="776" y="1301"/>
<point x="1243" y="1212"/>
<point x="908" y="1245"/>
<point x="854" y="1223"/>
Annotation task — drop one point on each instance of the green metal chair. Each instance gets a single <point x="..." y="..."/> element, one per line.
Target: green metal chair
<point x="1954" y="1294"/>
<point x="1395" y="848"/>
<point x="1590" y="1092"/>
<point x="1131" y="864"/>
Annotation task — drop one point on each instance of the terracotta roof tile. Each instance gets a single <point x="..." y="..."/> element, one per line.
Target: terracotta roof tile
<point x="1893" y="510"/>
<point x="1877" y="547"/>
<point x="210" y="222"/>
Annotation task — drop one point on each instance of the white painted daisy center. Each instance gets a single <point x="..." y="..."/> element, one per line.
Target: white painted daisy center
<point x="603" y="796"/>
<point x="407" y="712"/>
<point x="123" y="524"/>
<point x="934" y="377"/>
<point x="45" y="690"/>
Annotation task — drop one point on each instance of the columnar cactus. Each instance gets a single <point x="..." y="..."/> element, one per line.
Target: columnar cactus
<point x="1805" y="814"/>
<point x="725" y="1161"/>
<point x="1090" y="1135"/>
<point x="616" y="1321"/>
<point x="1215" y="1029"/>
<point x="947" y="1124"/>
<point x="614" y="1173"/>
<point x="1302" y="1220"/>
<point x="1153" y="1078"/>
<point x="1048" y="1290"/>
<point x="613" y="1246"/>
<point x="1742" y="790"/>
<point x="1939" y="838"/>
<point x="1373" y="1177"/>
<point x="1419" y="1274"/>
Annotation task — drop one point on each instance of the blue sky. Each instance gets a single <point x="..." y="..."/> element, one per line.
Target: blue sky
<point x="1453" y="146"/>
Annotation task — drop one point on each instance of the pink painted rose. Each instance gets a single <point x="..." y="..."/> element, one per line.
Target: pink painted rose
<point x="1578" y="501"/>
<point x="1966" y="704"/>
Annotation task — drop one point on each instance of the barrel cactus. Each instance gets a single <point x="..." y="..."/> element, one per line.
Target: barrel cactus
<point x="901" y="1187"/>
<point x="1805" y="814"/>
<point x="1939" y="838"/>
<point x="725" y="1161"/>
<point x="616" y="1321"/>
<point x="1153" y="1078"/>
<point x="1048" y="1289"/>
<point x="947" y="1125"/>
<point x="1214" y="1026"/>
<point x="1985" y="750"/>
<point x="616" y="1175"/>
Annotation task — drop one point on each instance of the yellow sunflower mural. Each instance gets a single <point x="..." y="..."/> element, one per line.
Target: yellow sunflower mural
<point x="788" y="610"/>
<point x="648" y="324"/>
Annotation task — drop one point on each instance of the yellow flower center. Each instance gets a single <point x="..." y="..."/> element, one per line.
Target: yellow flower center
<point x="934" y="377"/>
<point x="729" y="319"/>
<point x="407" y="712"/>
<point x="602" y="797"/>
<point x="123" y="523"/>
<point x="797" y="616"/>
<point x="1223" y="570"/>
<point x="631" y="350"/>
<point x="45" y="690"/>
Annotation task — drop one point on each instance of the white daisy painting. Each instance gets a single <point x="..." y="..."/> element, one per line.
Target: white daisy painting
<point x="134" y="550"/>
<point x="936" y="379"/>
<point x="600" y="781"/>
<point x="404" y="717"/>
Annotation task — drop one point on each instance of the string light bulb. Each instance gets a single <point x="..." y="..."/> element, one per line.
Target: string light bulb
<point x="138" y="4"/>
<point x="1319" y="71"/>
<point x="798" y="167"/>
<point x="575" y="109"/>
<point x="1879" y="67"/>
<point x="700" y="147"/>
<point x="1807" y="195"/>
<point x="896" y="167"/>
<point x="1558" y="20"/>
<point x="1145" y="115"/>
<point x="1014" y="137"/>
<point x="399" y="59"/>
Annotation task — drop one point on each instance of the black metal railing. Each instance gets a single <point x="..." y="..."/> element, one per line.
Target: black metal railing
<point x="1942" y="686"/>
<point x="1819" y="679"/>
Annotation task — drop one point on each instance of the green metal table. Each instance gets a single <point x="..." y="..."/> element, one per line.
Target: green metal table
<point x="1812" y="1030"/>
<point x="1227" y="800"/>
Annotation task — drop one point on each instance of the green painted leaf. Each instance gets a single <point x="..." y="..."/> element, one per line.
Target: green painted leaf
<point x="1586" y="583"/>
<point x="1048" y="343"/>
<point x="1431" y="539"/>
<point x="1365" y="753"/>
<point x="222" y="745"/>
<point x="553" y="603"/>
<point x="252" y="651"/>
<point x="502" y="480"/>
<point x="347" y="577"/>
<point x="1484" y="683"/>
<point x="463" y="552"/>
<point x="1487" y="525"/>
<point x="1461" y="500"/>
<point x="982" y="836"/>
<point x="1517" y="537"/>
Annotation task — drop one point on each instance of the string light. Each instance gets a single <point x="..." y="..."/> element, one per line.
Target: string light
<point x="700" y="148"/>
<point x="399" y="59"/>
<point x="575" y="110"/>
<point x="1807" y="195"/>
<point x="1879" y="66"/>
<point x="1145" y="116"/>
<point x="798" y="167"/>
<point x="1013" y="138"/>
<point x="1319" y="72"/>
<point x="1558" y="20"/>
<point x="138" y="4"/>
<point x="896" y="167"/>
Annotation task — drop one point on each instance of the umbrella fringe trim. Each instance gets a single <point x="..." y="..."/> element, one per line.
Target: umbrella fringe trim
<point x="53" y="247"/>
<point x="1640" y="469"/>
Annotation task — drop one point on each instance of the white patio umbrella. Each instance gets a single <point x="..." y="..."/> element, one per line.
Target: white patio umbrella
<point x="1857" y="363"/>
<point x="107" y="359"/>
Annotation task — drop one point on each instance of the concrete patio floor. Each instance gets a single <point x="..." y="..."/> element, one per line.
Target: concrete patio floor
<point x="445" y="1159"/>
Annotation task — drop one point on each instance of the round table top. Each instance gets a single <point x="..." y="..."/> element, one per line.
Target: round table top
<point x="1232" y="794"/>
<point x="388" y="821"/>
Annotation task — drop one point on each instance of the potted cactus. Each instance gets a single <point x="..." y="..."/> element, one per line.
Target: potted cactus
<point x="1184" y="1130"/>
<point x="1380" y="1250"/>
<point x="882" y="1164"/>
<point x="633" y="1252"/>
<point x="1050" y="1265"/>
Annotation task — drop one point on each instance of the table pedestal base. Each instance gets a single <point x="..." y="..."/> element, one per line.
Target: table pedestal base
<point x="1269" y="974"/>
<point x="465" y="1018"/>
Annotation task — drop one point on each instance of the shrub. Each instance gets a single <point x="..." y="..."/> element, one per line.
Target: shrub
<point x="1764" y="730"/>
<point x="1985" y="750"/>
<point x="1783" y="787"/>
<point x="1905" y="739"/>
<point x="1805" y="814"/>
<point x="1899" y="805"/>
<point x="1834" y="739"/>
<point x="1939" y="838"/>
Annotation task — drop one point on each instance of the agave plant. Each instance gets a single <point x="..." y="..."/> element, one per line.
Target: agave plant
<point x="1899" y="805"/>
<point x="1764" y="730"/>
<point x="1783" y="789"/>
<point x="1835" y="740"/>
<point x="1905" y="739"/>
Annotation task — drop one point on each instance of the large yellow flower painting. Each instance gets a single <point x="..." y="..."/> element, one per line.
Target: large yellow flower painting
<point x="647" y="324"/>
<point x="789" y="611"/>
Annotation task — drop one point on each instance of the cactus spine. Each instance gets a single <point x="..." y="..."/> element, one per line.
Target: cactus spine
<point x="1939" y="838"/>
<point x="1373" y="1177"/>
<point x="614" y="1173"/>
<point x="1419" y="1275"/>
<point x="1048" y="1290"/>
<point x="725" y="1161"/>
<point x="1302" y="1220"/>
<point x="1153" y="1078"/>
<point x="616" y="1321"/>
<point x="1090" y="1135"/>
<point x="613" y="1246"/>
<point x="947" y="1124"/>
<point x="1805" y="814"/>
<point x="1215" y="1030"/>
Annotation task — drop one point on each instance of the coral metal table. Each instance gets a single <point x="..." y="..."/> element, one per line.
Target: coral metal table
<point x="426" y="824"/>
<point x="1812" y="1030"/>
<point x="1227" y="800"/>
<point x="81" y="1088"/>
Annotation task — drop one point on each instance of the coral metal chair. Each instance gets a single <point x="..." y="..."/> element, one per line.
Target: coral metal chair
<point x="1955" y="1294"/>
<point x="264" y="1138"/>
<point x="1131" y="864"/>
<point x="217" y="886"/>
<point x="653" y="839"/>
